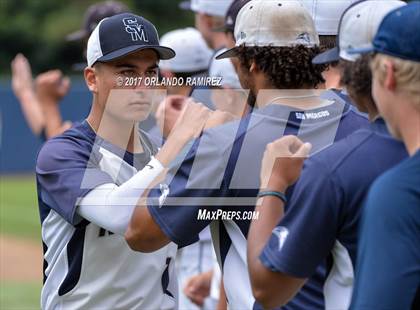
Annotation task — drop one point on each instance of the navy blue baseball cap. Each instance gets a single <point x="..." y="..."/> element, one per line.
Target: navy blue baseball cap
<point x="231" y="15"/>
<point x="398" y="34"/>
<point x="123" y="34"/>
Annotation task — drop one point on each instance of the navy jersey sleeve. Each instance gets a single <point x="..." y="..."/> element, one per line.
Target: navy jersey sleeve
<point x="388" y="268"/>
<point x="307" y="232"/>
<point x="65" y="173"/>
<point x="190" y="189"/>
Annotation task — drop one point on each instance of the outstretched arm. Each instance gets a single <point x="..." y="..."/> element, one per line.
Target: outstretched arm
<point x="281" y="167"/>
<point x="23" y="88"/>
<point x="151" y="227"/>
<point x="111" y="206"/>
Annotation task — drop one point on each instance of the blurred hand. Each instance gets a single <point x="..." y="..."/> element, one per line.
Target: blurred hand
<point x="168" y="112"/>
<point x="197" y="288"/>
<point x="21" y="76"/>
<point x="282" y="162"/>
<point x="51" y="86"/>
<point x="218" y="118"/>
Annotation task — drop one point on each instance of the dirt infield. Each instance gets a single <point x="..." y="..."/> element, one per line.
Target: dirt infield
<point x="20" y="259"/>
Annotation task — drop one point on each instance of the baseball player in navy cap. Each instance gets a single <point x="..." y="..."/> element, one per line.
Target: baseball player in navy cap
<point x="322" y="216"/>
<point x="91" y="177"/>
<point x="388" y="269"/>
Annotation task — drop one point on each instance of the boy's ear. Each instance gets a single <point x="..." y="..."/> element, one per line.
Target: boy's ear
<point x="254" y="68"/>
<point x="91" y="79"/>
<point x="389" y="82"/>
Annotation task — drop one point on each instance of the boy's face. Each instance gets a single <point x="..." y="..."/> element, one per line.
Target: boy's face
<point x="202" y="24"/>
<point x="121" y="85"/>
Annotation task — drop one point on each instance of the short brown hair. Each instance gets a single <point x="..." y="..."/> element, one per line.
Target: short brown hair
<point x="285" y="67"/>
<point x="357" y="75"/>
<point x="357" y="78"/>
<point x="327" y="42"/>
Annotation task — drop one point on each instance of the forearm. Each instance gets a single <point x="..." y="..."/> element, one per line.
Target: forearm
<point x="111" y="207"/>
<point x="270" y="210"/>
<point x="270" y="288"/>
<point x="222" y="304"/>
<point x="32" y="111"/>
<point x="172" y="147"/>
<point x="53" y="120"/>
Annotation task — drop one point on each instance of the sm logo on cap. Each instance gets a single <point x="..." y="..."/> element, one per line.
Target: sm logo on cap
<point x="137" y="31"/>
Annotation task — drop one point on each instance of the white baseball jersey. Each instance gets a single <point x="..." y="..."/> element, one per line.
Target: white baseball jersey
<point x="85" y="266"/>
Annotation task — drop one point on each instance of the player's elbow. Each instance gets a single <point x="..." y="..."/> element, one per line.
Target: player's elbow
<point x="265" y="298"/>
<point x="139" y="241"/>
<point x="269" y="296"/>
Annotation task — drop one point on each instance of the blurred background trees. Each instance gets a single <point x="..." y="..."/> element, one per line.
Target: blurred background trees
<point x="37" y="28"/>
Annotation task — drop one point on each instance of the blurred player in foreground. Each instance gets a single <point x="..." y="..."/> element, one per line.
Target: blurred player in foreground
<point x="221" y="172"/>
<point x="321" y="221"/>
<point x="388" y="269"/>
<point x="90" y="179"/>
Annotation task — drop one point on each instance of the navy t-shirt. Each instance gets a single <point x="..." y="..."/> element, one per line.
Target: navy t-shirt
<point x="221" y="171"/>
<point x="388" y="270"/>
<point x="322" y="216"/>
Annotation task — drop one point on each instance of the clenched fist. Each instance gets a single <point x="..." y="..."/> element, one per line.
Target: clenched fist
<point x="282" y="162"/>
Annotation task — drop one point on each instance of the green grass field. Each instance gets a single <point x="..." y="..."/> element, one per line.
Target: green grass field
<point x="19" y="217"/>
<point x="19" y="207"/>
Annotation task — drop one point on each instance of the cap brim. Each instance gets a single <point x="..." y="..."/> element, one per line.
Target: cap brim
<point x="365" y="50"/>
<point x="233" y="52"/>
<point x="77" y="35"/>
<point x="164" y="53"/>
<point x="185" y="5"/>
<point x="327" y="57"/>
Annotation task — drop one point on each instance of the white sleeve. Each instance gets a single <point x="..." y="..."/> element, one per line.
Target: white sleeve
<point x="215" y="280"/>
<point x="110" y="206"/>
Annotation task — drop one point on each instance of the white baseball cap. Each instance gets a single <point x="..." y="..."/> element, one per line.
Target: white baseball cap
<point x="358" y="26"/>
<point x="277" y="23"/>
<point x="326" y="14"/>
<point x="224" y="69"/>
<point x="192" y="52"/>
<point x="210" y="7"/>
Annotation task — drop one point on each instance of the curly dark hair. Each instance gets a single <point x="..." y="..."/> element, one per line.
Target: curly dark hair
<point x="328" y="41"/>
<point x="357" y="75"/>
<point x="357" y="78"/>
<point x="286" y="67"/>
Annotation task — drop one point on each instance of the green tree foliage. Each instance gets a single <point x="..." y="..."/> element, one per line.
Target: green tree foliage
<point x="37" y="28"/>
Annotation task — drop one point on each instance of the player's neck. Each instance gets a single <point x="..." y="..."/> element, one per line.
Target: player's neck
<point x="122" y="133"/>
<point x="296" y="98"/>
<point x="409" y="133"/>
